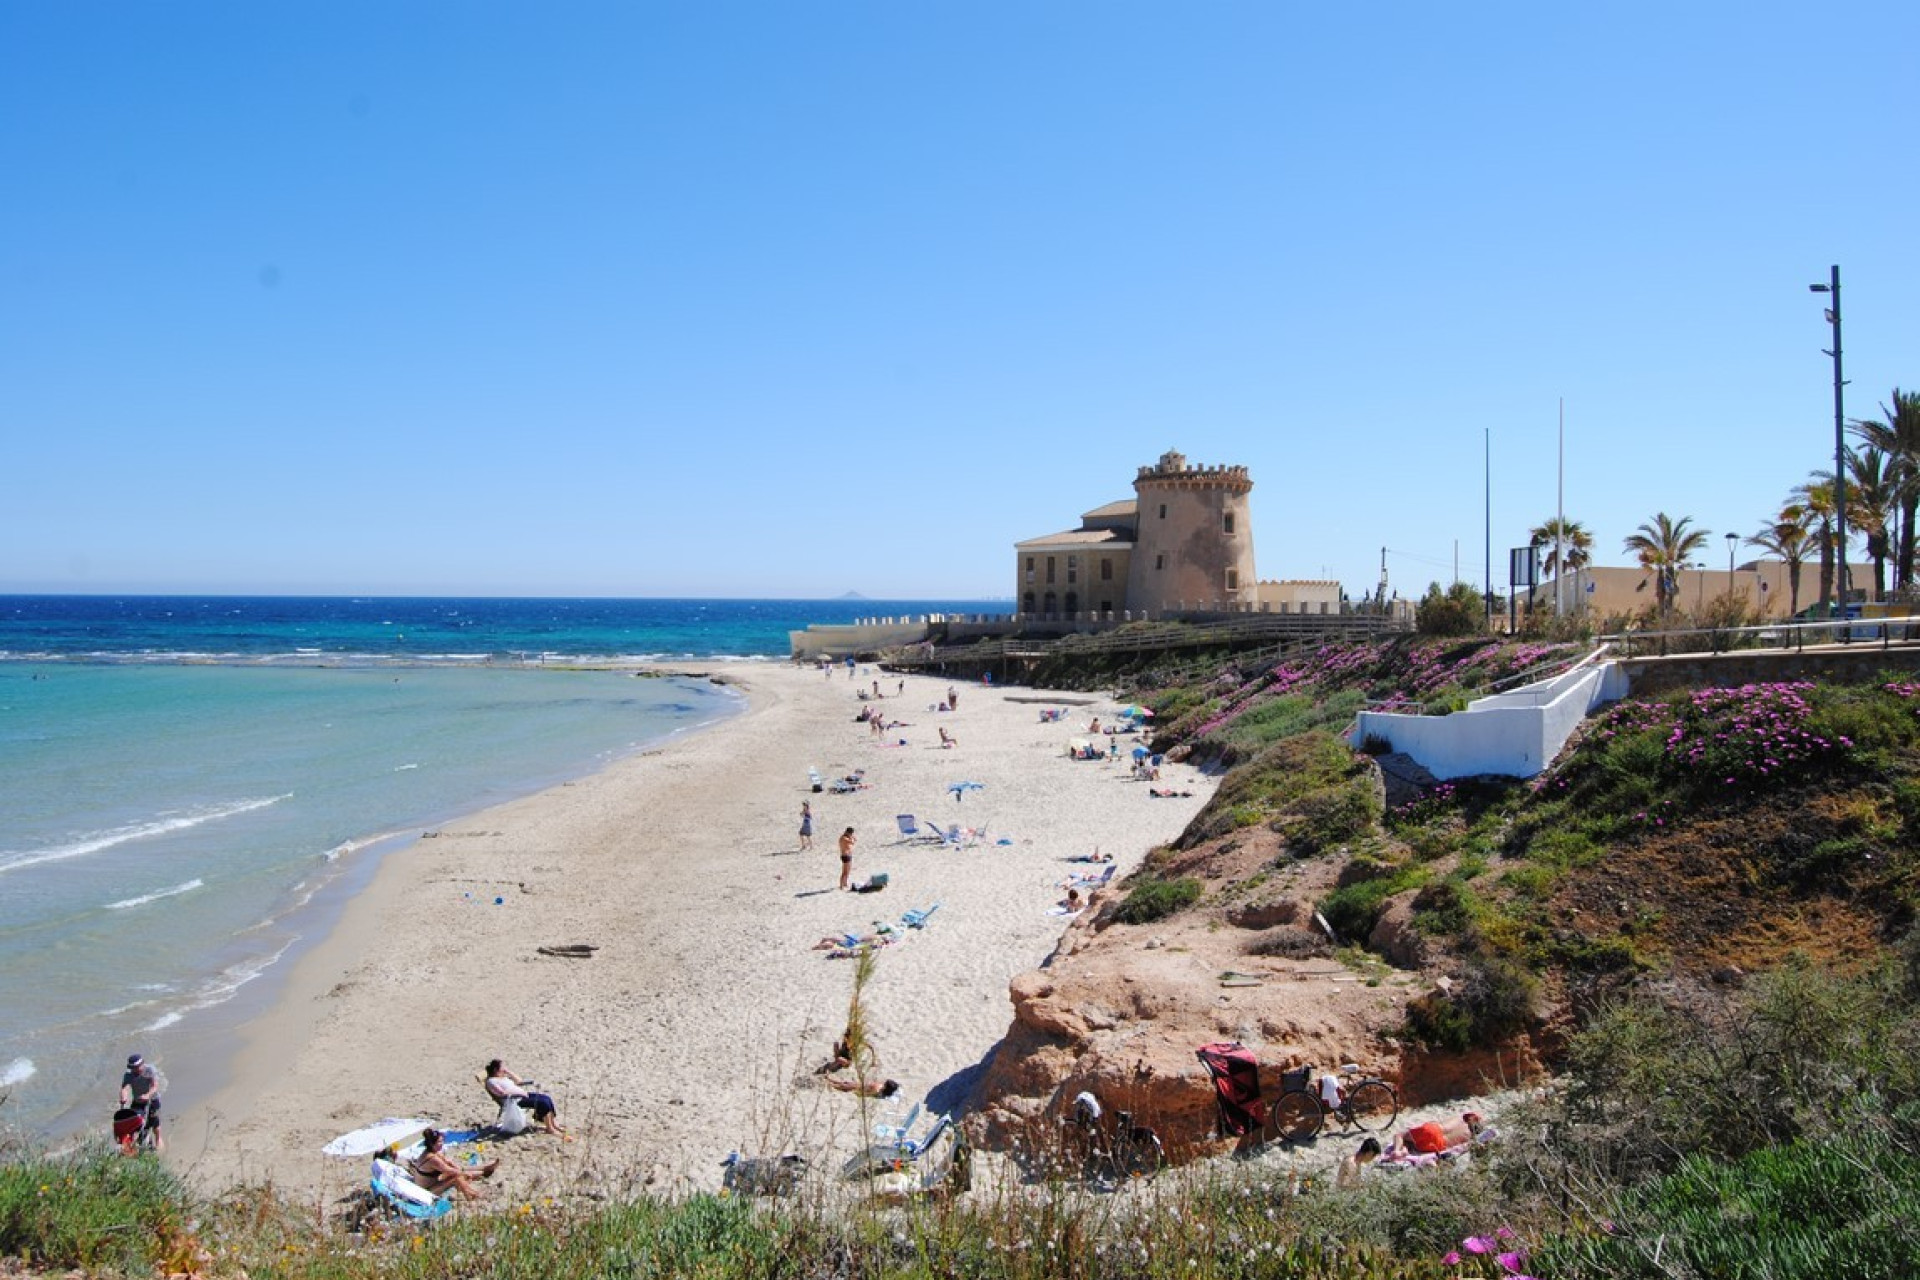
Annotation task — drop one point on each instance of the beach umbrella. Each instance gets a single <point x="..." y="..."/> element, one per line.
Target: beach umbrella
<point x="1137" y="712"/>
<point x="960" y="789"/>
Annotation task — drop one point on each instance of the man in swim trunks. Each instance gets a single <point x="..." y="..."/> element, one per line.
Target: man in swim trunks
<point x="846" y="856"/>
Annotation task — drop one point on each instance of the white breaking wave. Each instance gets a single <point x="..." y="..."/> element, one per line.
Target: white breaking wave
<point x="156" y="895"/>
<point x="14" y="860"/>
<point x="15" y="1072"/>
<point x="220" y="988"/>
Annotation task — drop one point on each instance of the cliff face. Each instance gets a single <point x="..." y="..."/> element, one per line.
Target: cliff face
<point x="1119" y="1009"/>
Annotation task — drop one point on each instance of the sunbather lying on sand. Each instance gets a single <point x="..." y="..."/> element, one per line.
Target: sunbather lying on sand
<point x="1166" y="793"/>
<point x="872" y="1088"/>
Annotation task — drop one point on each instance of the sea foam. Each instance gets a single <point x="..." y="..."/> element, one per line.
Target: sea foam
<point x="18" y="1071"/>
<point x="17" y="859"/>
<point x="156" y="895"/>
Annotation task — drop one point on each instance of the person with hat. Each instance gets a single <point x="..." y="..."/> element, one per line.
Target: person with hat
<point x="140" y="1090"/>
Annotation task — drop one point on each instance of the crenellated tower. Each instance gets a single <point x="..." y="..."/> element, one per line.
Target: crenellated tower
<point x="1194" y="544"/>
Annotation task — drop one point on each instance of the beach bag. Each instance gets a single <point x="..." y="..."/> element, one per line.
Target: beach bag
<point x="875" y="883"/>
<point x="1236" y="1087"/>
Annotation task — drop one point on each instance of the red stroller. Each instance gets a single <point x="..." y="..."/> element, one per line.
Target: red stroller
<point x="133" y="1130"/>
<point x="1236" y="1087"/>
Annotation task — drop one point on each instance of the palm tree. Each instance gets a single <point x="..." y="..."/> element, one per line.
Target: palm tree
<point x="1899" y="438"/>
<point x="1815" y="499"/>
<point x="1565" y="540"/>
<point x="1788" y="538"/>
<point x="1664" y="546"/>
<point x="1872" y="507"/>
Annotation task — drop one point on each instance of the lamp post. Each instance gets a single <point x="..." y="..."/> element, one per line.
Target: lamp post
<point x="1732" y="540"/>
<point x="1839" y="441"/>
<point x="1699" y="568"/>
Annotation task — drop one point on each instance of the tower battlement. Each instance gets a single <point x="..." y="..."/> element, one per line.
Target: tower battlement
<point x="1173" y="472"/>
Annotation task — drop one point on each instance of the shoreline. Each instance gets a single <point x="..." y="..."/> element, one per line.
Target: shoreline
<point x="693" y="1030"/>
<point x="242" y="975"/>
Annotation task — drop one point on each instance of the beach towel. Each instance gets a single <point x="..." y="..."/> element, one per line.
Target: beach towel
<point x="1236" y="1087"/>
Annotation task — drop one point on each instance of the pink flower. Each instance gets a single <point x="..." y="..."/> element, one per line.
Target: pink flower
<point x="1477" y="1244"/>
<point x="1451" y="1260"/>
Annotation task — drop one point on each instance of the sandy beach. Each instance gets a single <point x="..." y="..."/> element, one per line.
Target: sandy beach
<point x="694" y="1028"/>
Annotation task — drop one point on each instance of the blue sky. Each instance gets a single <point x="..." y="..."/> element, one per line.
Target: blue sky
<point x="776" y="299"/>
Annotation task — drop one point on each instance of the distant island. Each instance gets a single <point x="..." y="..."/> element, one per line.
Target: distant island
<point x="850" y="595"/>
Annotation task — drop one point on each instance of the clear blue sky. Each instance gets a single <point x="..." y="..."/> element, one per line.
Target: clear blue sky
<point x="792" y="299"/>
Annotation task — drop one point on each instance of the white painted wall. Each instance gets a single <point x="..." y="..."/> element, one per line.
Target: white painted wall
<point x="1514" y="734"/>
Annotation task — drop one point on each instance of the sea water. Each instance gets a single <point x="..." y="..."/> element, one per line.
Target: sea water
<point x="181" y="778"/>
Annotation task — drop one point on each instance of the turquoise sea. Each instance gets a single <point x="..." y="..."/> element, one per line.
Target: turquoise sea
<point x="194" y="785"/>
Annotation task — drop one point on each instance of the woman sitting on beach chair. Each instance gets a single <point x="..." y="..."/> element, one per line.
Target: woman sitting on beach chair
<point x="504" y="1086"/>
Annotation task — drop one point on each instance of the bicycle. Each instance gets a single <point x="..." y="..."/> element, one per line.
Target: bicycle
<point x="1112" y="1149"/>
<point x="1297" y="1114"/>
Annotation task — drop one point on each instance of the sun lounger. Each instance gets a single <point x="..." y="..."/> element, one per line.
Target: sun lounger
<point x="917" y="917"/>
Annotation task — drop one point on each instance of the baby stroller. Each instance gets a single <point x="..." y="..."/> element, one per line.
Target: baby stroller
<point x="134" y="1130"/>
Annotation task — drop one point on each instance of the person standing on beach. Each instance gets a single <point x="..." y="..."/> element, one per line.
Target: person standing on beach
<point x="953" y="699"/>
<point x="140" y="1089"/>
<point x="846" y="856"/>
<point x="806" y="826"/>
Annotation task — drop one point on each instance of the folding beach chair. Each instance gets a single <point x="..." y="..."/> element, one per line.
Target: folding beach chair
<point x="910" y="829"/>
<point x="917" y="917"/>
<point x="896" y="1133"/>
<point x="393" y="1189"/>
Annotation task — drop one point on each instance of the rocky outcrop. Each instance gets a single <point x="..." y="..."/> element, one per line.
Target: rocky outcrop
<point x="1119" y="1009"/>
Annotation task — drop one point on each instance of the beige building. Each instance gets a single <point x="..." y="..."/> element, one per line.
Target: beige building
<point x="1184" y="541"/>
<point x="1762" y="586"/>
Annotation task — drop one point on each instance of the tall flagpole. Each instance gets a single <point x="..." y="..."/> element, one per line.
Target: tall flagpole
<point x="1487" y="449"/>
<point x="1560" y="518"/>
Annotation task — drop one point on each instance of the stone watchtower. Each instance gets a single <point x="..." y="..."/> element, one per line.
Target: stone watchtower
<point x="1194" y="545"/>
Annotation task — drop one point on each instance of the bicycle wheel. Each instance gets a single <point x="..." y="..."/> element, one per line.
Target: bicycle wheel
<point x="1141" y="1156"/>
<point x="1293" y="1117"/>
<point x="1372" y="1106"/>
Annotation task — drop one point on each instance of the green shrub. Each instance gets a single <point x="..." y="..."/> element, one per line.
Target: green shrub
<point x="1354" y="908"/>
<point x="1804" y="1211"/>
<point x="1150" y="900"/>
<point x="1444" y="908"/>
<point x="1457" y="611"/>
<point x="97" y="1211"/>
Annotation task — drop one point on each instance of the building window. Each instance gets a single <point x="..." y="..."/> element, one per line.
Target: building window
<point x="1233" y="575"/>
<point x="1026" y="603"/>
<point x="1049" y="571"/>
<point x="1229" y="527"/>
<point x="1106" y="568"/>
<point x="1029" y="564"/>
<point x="1160" y="561"/>
<point x="1073" y="602"/>
<point x="1163" y="511"/>
<point x="1073" y="572"/>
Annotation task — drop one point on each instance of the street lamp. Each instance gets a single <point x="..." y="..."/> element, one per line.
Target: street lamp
<point x="1839" y="439"/>
<point x="1732" y="539"/>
